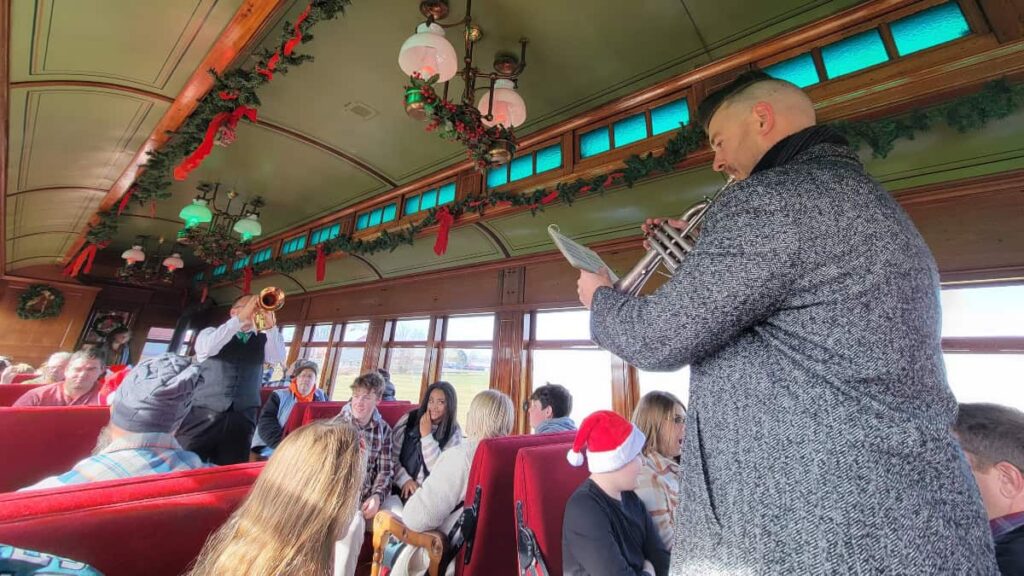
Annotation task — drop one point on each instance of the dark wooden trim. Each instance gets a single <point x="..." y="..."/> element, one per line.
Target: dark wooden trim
<point x="91" y="84"/>
<point x="5" y="113"/>
<point x="622" y="399"/>
<point x="984" y="345"/>
<point x="1012" y="182"/>
<point x="1006" y="17"/>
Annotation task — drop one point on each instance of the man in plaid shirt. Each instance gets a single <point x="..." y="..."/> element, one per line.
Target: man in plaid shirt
<point x="361" y="411"/>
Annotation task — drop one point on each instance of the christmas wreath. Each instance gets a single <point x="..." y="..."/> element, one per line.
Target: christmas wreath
<point x="40" y="301"/>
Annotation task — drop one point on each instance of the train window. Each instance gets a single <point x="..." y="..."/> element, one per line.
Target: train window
<point x="992" y="378"/>
<point x="471" y="328"/>
<point x="406" y="368"/>
<point x="414" y="330"/>
<point x="927" y="28"/>
<point x="978" y="312"/>
<point x="356" y="331"/>
<point x="348" y="364"/>
<point x="799" y="70"/>
<point x="186" y="342"/>
<point x="288" y="334"/>
<point x="678" y="383"/>
<point x="854" y="53"/>
<point x="563" y="325"/>
<point x="158" y="341"/>
<point x="586" y="373"/>
<point x="466" y="362"/>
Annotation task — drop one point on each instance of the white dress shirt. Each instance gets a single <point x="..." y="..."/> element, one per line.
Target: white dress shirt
<point x="211" y="340"/>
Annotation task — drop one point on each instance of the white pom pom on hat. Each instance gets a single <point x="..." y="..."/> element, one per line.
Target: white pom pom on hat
<point x="611" y="442"/>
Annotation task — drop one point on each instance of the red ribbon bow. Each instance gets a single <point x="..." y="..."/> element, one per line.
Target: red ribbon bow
<point x="247" y="280"/>
<point x="206" y="290"/>
<point x="445" y="220"/>
<point x="82" y="262"/>
<point x="321" y="263"/>
<point x="230" y="119"/>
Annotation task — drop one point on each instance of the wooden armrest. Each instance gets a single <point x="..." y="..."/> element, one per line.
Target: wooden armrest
<point x="386" y="524"/>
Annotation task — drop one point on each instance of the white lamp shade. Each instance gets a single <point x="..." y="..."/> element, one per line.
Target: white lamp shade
<point x="134" y="254"/>
<point x="174" y="262"/>
<point x="428" y="52"/>
<point x="508" y="109"/>
<point x="249" y="227"/>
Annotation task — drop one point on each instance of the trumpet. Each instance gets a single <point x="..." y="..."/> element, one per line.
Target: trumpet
<point x="669" y="246"/>
<point x="270" y="299"/>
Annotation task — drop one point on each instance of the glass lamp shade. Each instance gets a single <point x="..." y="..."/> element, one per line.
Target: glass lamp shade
<point x="508" y="109"/>
<point x="174" y="262"/>
<point x="196" y="213"/>
<point x="249" y="227"/>
<point x="428" y="52"/>
<point x="134" y="254"/>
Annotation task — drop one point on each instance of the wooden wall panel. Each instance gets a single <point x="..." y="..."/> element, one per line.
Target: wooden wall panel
<point x="32" y="341"/>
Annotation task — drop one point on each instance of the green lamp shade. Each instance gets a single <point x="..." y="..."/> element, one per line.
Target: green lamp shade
<point x="249" y="227"/>
<point x="195" y="213"/>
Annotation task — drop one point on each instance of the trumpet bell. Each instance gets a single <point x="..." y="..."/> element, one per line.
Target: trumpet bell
<point x="269" y="300"/>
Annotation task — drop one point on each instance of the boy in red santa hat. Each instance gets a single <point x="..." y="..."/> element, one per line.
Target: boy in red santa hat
<point x="607" y="530"/>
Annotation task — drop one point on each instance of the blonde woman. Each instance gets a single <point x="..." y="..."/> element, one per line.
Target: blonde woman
<point x="662" y="418"/>
<point x="302" y="516"/>
<point x="491" y="415"/>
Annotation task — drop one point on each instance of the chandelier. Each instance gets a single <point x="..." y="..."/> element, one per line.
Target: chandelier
<point x="428" y="56"/>
<point x="157" y="268"/>
<point x="211" y="231"/>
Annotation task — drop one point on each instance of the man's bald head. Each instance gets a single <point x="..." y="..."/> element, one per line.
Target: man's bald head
<point x="755" y="86"/>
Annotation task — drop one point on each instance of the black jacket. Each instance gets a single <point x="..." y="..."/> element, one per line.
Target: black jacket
<point x="1010" y="552"/>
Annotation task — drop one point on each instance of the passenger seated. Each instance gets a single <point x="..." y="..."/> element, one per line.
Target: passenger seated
<point x="437" y="504"/>
<point x="274" y="415"/>
<point x="361" y="411"/>
<point x="607" y="530"/>
<point x="417" y="447"/>
<point x="7" y="377"/>
<point x="388" y="395"/>
<point x="79" y="388"/>
<point x="662" y="419"/>
<point x="21" y="562"/>
<point x="992" y="437"/>
<point x="549" y="408"/>
<point x="139" y="441"/>
<point x="53" y="370"/>
<point x="303" y="513"/>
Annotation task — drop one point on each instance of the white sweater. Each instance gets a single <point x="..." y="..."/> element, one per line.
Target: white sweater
<point x="437" y="504"/>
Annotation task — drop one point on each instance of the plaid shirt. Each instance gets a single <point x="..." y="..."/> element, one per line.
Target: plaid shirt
<point x="1006" y="524"/>
<point x="135" y="454"/>
<point x="379" y="467"/>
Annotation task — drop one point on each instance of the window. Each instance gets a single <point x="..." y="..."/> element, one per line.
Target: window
<point x="855" y="53"/>
<point x="376" y="217"/>
<point x="220" y="270"/>
<point x="198" y="278"/>
<point x="629" y="130"/>
<point x="983" y="341"/>
<point x="663" y="118"/>
<point x="677" y="383"/>
<point x="187" y="339"/>
<point x="348" y="358"/>
<point x="240" y="263"/>
<point x="262" y="255"/>
<point x="429" y="199"/>
<point x="158" y="341"/>
<point x="800" y="71"/>
<point x="928" y="28"/>
<point x="668" y="117"/>
<point x="595" y="142"/>
<point x="521" y="167"/>
<point x="466" y="364"/>
<point x="526" y="165"/>
<point x="293" y="245"/>
<point x="316" y="345"/>
<point x="561" y="353"/>
<point x="324" y="234"/>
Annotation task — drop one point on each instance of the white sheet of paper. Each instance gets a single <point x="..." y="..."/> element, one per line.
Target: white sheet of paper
<point x="578" y="255"/>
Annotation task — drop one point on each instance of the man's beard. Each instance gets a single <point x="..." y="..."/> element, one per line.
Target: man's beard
<point x="103" y="440"/>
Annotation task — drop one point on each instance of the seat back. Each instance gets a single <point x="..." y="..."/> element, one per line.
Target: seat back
<point x="544" y="481"/>
<point x="9" y="393"/>
<point x="19" y="378"/>
<point x="265" y="393"/>
<point x="389" y="411"/>
<point x="392" y="412"/>
<point x="154" y="525"/>
<point x="38" y="442"/>
<point x="494" y="545"/>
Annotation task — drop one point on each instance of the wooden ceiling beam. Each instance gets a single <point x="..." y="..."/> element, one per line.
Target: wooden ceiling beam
<point x="247" y="25"/>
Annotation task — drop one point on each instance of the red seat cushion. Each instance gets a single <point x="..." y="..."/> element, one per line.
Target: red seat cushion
<point x="389" y="411"/>
<point x="37" y="442"/>
<point x="494" y="547"/>
<point x="9" y="393"/>
<point x="544" y="481"/>
<point x="392" y="412"/>
<point x="154" y="525"/>
<point x="266" y="391"/>
<point x="19" y="378"/>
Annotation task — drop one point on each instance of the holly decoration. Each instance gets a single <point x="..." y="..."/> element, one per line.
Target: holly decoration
<point x="40" y="301"/>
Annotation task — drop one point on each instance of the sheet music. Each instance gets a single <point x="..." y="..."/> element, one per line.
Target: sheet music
<point x="577" y="254"/>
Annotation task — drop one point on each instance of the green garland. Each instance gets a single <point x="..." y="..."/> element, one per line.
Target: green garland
<point x="40" y="301"/>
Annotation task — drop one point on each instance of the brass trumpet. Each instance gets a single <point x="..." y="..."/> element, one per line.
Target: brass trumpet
<point x="668" y="245"/>
<point x="270" y="299"/>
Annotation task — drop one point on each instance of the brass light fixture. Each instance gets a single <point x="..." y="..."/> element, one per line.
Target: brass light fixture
<point x="144" y="264"/>
<point x="209" y="230"/>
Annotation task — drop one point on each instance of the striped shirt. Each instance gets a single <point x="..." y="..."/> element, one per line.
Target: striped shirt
<point x="429" y="447"/>
<point x="379" y="466"/>
<point x="133" y="454"/>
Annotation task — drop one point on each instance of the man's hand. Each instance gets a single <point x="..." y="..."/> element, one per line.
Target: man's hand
<point x="425" y="425"/>
<point x="589" y="283"/>
<point x="652" y="223"/>
<point x="246" y="313"/>
<point x="409" y="488"/>
<point x="270" y="319"/>
<point x="370" y="507"/>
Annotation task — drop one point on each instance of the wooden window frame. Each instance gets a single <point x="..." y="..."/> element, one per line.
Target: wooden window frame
<point x="535" y="180"/>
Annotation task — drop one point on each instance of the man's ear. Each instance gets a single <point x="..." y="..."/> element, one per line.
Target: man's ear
<point x="1011" y="480"/>
<point x="548" y="412"/>
<point x="765" y="117"/>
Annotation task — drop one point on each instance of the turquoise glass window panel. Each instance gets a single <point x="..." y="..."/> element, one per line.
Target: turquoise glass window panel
<point x="324" y="234"/>
<point x="668" y="117"/>
<point x="240" y="263"/>
<point x="375" y="216"/>
<point x="262" y="256"/>
<point x="854" y="53"/>
<point x="363" y="221"/>
<point x="799" y="71"/>
<point x="594" y="142"/>
<point x="220" y="270"/>
<point x="412" y="205"/>
<point x="549" y="158"/>
<point x="428" y="200"/>
<point x="931" y="27"/>
<point x="294" y="244"/>
<point x="390" y="212"/>
<point x="521" y="167"/>
<point x="446" y="194"/>
<point x="199" y="277"/>
<point x="497" y="176"/>
<point x="629" y="130"/>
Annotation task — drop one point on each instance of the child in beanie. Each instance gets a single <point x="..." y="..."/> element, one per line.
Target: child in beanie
<point x="607" y="530"/>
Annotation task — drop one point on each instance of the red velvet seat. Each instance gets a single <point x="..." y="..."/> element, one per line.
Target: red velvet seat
<point x="154" y="525"/>
<point x="19" y="378"/>
<point x="44" y="441"/>
<point x="303" y="414"/>
<point x="9" y="393"/>
<point x="494" y="546"/>
<point x="266" y="391"/>
<point x="544" y="481"/>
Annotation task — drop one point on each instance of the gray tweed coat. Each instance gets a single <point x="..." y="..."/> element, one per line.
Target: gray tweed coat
<point x="817" y="436"/>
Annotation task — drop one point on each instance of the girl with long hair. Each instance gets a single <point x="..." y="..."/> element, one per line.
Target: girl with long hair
<point x="115" y="346"/>
<point x="302" y="516"/>
<point x="662" y="418"/>
<point x="420" y="436"/>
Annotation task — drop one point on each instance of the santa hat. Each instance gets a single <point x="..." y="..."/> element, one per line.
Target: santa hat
<point x="611" y="442"/>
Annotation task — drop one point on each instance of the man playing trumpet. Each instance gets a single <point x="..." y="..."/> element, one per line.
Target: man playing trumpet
<point x="818" y="426"/>
<point x="220" y="426"/>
